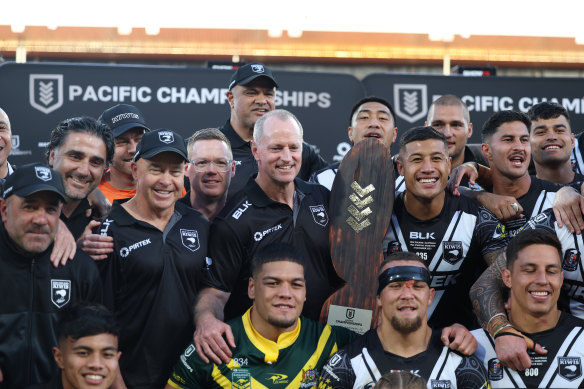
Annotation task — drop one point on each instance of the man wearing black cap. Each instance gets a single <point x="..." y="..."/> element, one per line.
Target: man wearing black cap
<point x="33" y="291"/>
<point x="251" y="94"/>
<point x="403" y="340"/>
<point x="152" y="277"/>
<point x="128" y="125"/>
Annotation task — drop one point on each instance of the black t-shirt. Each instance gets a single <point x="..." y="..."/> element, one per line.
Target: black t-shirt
<point x="253" y="220"/>
<point x="78" y="220"/>
<point x="246" y="165"/>
<point x="363" y="362"/>
<point x="151" y="281"/>
<point x="452" y="245"/>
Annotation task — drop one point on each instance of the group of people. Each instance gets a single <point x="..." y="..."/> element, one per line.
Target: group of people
<point x="212" y="265"/>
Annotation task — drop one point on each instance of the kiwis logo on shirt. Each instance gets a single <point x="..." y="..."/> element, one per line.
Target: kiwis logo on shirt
<point x="452" y="251"/>
<point x="319" y="215"/>
<point x="190" y="239"/>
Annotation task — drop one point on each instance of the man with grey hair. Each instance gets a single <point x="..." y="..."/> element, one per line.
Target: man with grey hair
<point x="274" y="206"/>
<point x="5" y="146"/>
<point x="210" y="171"/>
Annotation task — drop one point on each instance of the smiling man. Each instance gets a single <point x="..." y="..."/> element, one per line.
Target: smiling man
<point x="451" y="234"/>
<point x="79" y="149"/>
<point x="210" y="170"/>
<point x="252" y="94"/>
<point x="276" y="347"/>
<point x="274" y="206"/>
<point x="534" y="277"/>
<point x="5" y="145"/>
<point x="403" y="340"/>
<point x="152" y="277"/>
<point x="34" y="291"/>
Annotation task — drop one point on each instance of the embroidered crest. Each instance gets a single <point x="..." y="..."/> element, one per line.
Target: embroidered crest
<point x="190" y="239"/>
<point x="60" y="292"/>
<point x="43" y="173"/>
<point x="319" y="215"/>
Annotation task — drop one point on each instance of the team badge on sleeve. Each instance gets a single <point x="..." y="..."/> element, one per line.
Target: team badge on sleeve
<point x="319" y="215"/>
<point x="190" y="239"/>
<point x="571" y="260"/>
<point x="60" y="292"/>
<point x="569" y="368"/>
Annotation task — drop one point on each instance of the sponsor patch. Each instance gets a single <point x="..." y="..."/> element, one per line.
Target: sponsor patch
<point x="60" y="292"/>
<point x="190" y="239"/>
<point x="495" y="371"/>
<point x="452" y="251"/>
<point x="571" y="260"/>
<point x="319" y="215"/>
<point x="569" y="368"/>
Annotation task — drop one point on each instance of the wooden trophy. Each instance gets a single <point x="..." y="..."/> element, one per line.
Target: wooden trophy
<point x="360" y="209"/>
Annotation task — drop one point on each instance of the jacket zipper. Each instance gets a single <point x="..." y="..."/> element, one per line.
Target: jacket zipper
<point x="29" y="326"/>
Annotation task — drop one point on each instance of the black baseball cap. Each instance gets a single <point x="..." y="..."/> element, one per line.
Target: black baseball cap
<point x="158" y="141"/>
<point x="32" y="178"/>
<point x="249" y="72"/>
<point x="123" y="117"/>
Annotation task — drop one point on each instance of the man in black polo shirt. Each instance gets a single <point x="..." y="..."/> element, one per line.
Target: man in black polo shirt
<point x="152" y="277"/>
<point x="273" y="207"/>
<point x="79" y="149"/>
<point x="251" y="94"/>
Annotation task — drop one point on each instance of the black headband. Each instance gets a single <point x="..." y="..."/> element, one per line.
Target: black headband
<point x="402" y="273"/>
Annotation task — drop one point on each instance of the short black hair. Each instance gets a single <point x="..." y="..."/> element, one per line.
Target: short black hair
<point x="82" y="124"/>
<point x="401" y="256"/>
<point x="501" y="117"/>
<point x="371" y="99"/>
<point x="530" y="237"/>
<point x="276" y="252"/>
<point x="420" y="134"/>
<point x="548" y="110"/>
<point x="86" y="319"/>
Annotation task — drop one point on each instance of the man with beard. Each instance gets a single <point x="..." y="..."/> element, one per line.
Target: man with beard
<point x="252" y="94"/>
<point x="276" y="347"/>
<point x="79" y="149"/>
<point x="403" y="340"/>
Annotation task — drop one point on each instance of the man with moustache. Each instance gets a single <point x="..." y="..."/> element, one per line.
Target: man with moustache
<point x="403" y="340"/>
<point x="210" y="170"/>
<point x="274" y="206"/>
<point x="252" y="94"/>
<point x="33" y="290"/>
<point x="79" y="149"/>
<point x="534" y="276"/>
<point x="152" y="277"/>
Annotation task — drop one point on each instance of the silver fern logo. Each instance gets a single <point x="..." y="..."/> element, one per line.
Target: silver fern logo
<point x="46" y="92"/>
<point x="410" y="101"/>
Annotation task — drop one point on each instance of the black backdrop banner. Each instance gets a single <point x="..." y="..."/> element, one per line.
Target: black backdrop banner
<point x="37" y="96"/>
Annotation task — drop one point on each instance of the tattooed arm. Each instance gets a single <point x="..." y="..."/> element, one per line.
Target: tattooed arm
<point x="487" y="300"/>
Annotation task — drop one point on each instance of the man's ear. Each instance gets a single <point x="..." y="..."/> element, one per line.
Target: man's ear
<point x="229" y="95"/>
<point x="3" y="206"/>
<point x="432" y="294"/>
<point x="486" y="150"/>
<point x="506" y="278"/>
<point x="251" y="289"/>
<point x="51" y="157"/>
<point x="58" y="355"/>
<point x="350" y="132"/>
<point x="134" y="168"/>
<point x="400" y="166"/>
<point x="254" y="150"/>
<point x="469" y="130"/>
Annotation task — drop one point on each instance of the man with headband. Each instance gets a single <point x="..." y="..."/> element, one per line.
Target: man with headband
<point x="403" y="340"/>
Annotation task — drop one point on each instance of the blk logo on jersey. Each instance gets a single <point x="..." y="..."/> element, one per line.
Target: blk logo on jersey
<point x="319" y="215"/>
<point x="452" y="251"/>
<point x="495" y="372"/>
<point x="571" y="260"/>
<point x="190" y="239"/>
<point x="60" y="292"/>
<point x="441" y="384"/>
<point x="569" y="368"/>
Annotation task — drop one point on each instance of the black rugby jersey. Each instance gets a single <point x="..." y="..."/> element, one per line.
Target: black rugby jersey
<point x="576" y="157"/>
<point x="246" y="165"/>
<point x="151" y="281"/>
<point x="538" y="198"/>
<point x="255" y="221"/>
<point x="452" y="245"/>
<point x="561" y="367"/>
<point x="572" y="298"/>
<point x="363" y="362"/>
